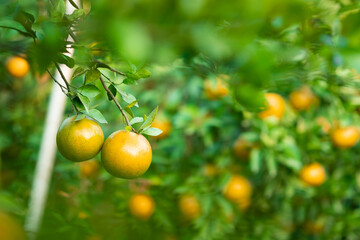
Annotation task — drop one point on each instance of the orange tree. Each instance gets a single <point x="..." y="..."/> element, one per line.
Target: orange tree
<point x="258" y="108"/>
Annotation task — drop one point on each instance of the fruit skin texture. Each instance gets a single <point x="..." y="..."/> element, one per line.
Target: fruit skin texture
<point x="142" y="206"/>
<point x="89" y="169"/>
<point x="237" y="189"/>
<point x="126" y="154"/>
<point x="313" y="174"/>
<point x="164" y="126"/>
<point x="302" y="99"/>
<point x="17" y="66"/>
<point x="189" y="207"/>
<point x="345" y="137"/>
<point x="242" y="148"/>
<point x="217" y="91"/>
<point x="79" y="140"/>
<point x="275" y="106"/>
<point x="10" y="229"/>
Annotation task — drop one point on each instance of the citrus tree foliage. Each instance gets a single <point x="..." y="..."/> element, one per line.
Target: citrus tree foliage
<point x="262" y="46"/>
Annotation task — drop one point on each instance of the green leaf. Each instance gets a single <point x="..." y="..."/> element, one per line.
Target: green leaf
<point x="149" y="119"/>
<point x="92" y="75"/>
<point x="255" y="160"/>
<point x="85" y="101"/>
<point x="78" y="72"/>
<point x="79" y="117"/>
<point x="151" y="131"/>
<point x="136" y="120"/>
<point x="271" y="164"/>
<point x="68" y="61"/>
<point x="129" y="111"/>
<point x="127" y="97"/>
<point x="78" y="103"/>
<point x="97" y="115"/>
<point x="291" y="163"/>
<point x="7" y="23"/>
<point x="57" y="12"/>
<point x="143" y="73"/>
<point x="132" y="104"/>
<point x="129" y="81"/>
<point x="113" y="91"/>
<point x="76" y="14"/>
<point x="89" y="91"/>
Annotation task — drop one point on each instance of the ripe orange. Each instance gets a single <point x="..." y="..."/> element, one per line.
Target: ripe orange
<point x="275" y="106"/>
<point x="142" y="206"/>
<point x="218" y="90"/>
<point x="189" y="207"/>
<point x="313" y="174"/>
<point x="237" y="189"/>
<point x="79" y="140"/>
<point x="164" y="126"/>
<point x="345" y="137"/>
<point x="17" y="66"/>
<point x="302" y="99"/>
<point x="89" y="169"/>
<point x="126" y="154"/>
<point x="10" y="229"/>
<point x="242" y="148"/>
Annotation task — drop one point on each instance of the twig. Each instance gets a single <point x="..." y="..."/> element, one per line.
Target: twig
<point x="68" y="87"/>
<point x="116" y="103"/>
<point x="63" y="77"/>
<point x="111" y="69"/>
<point x="61" y="86"/>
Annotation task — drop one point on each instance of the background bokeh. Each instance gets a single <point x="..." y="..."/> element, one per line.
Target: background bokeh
<point x="263" y="46"/>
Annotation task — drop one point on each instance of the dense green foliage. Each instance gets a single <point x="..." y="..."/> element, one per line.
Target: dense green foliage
<point x="264" y="46"/>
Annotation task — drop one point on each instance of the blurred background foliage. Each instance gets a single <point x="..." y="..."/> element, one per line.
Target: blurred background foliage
<point x="263" y="46"/>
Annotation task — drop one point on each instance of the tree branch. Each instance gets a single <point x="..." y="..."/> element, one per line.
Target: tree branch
<point x="116" y="103"/>
<point x="111" y="69"/>
<point x="63" y="77"/>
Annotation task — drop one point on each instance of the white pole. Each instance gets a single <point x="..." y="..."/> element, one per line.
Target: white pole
<point x="46" y="159"/>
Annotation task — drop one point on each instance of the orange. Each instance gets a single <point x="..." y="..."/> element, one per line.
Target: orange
<point x="142" y="206"/>
<point x="302" y="99"/>
<point x="324" y="124"/>
<point x="89" y="169"/>
<point x="345" y="137"/>
<point x="17" y="66"/>
<point x="218" y="90"/>
<point x="189" y="206"/>
<point x="275" y="106"/>
<point x="79" y="140"/>
<point x="210" y="170"/>
<point x="313" y="174"/>
<point x="164" y="126"/>
<point x="10" y="229"/>
<point x="126" y="154"/>
<point x="237" y="189"/>
<point x="242" y="148"/>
